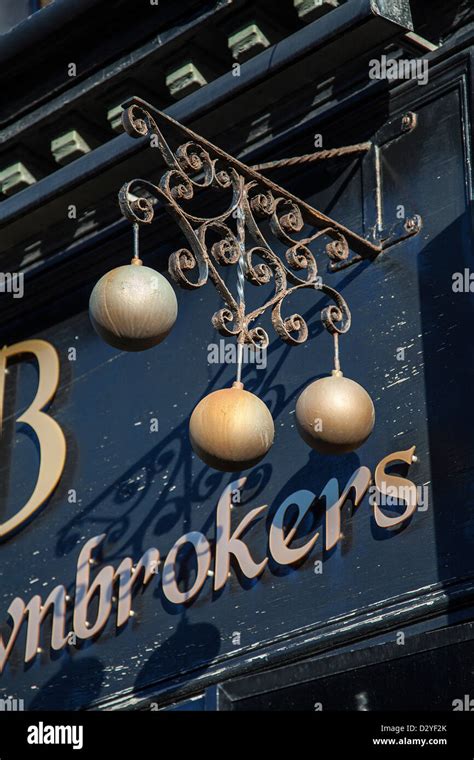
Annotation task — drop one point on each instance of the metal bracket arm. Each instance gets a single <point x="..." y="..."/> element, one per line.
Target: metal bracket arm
<point x="266" y="230"/>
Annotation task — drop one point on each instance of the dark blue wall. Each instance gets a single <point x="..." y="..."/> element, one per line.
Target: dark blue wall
<point x="14" y="11"/>
<point x="146" y="489"/>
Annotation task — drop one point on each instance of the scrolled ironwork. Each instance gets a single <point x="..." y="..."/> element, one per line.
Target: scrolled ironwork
<point x="266" y="231"/>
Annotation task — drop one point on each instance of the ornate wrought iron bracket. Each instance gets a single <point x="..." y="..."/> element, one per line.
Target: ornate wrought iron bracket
<point x="375" y="226"/>
<point x="260" y="221"/>
<point x="382" y="231"/>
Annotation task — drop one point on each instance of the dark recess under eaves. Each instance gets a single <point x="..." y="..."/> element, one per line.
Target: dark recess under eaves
<point x="309" y="54"/>
<point x="438" y="20"/>
<point x="96" y="33"/>
<point x="35" y="55"/>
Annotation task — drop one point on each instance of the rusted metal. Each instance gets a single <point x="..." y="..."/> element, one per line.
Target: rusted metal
<point x="259" y="218"/>
<point x="263" y="208"/>
<point x="409" y="121"/>
<point x="414" y="223"/>
<point x="320" y="155"/>
<point x="262" y="221"/>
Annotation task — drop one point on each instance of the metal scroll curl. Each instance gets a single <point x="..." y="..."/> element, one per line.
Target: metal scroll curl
<point x="264" y="230"/>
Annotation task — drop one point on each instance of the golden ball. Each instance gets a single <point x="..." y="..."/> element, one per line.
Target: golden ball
<point x="231" y="429"/>
<point x="133" y="307"/>
<point x="335" y="415"/>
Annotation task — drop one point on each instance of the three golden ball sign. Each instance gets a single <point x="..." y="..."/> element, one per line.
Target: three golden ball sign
<point x="134" y="307"/>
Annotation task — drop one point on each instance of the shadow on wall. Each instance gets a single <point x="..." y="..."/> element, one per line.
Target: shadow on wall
<point x="84" y="678"/>
<point x="447" y="319"/>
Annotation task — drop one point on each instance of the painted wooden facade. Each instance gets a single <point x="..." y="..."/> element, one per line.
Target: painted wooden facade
<point x="296" y="636"/>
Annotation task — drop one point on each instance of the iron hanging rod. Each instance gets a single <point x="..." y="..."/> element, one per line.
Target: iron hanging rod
<point x="320" y="155"/>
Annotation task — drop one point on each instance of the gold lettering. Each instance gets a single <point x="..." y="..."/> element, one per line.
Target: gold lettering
<point x="16" y="611"/>
<point x="394" y="483"/>
<point x="102" y="583"/>
<point x="50" y="436"/>
<point x="228" y="544"/>
<point x="37" y="610"/>
<point x="203" y="555"/>
<point x="359" y="482"/>
<point x="278" y="542"/>
<point x="128" y="576"/>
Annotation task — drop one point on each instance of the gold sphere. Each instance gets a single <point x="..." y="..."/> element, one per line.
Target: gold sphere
<point x="133" y="307"/>
<point x="335" y="415"/>
<point x="231" y="429"/>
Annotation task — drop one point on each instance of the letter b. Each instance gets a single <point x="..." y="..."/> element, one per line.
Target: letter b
<point x="50" y="436"/>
